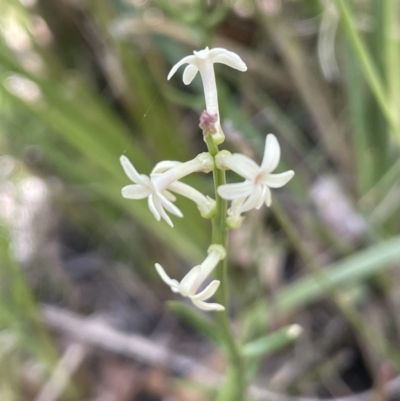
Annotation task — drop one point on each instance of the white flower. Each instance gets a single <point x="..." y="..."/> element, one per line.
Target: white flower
<point x="163" y="179"/>
<point x="195" y="278"/>
<point x="203" y="61"/>
<point x="253" y="192"/>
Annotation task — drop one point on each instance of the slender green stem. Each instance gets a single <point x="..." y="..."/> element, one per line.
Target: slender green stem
<point x="220" y="236"/>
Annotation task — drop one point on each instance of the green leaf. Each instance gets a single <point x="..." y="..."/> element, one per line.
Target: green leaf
<point x="368" y="66"/>
<point x="272" y="342"/>
<point x="351" y="270"/>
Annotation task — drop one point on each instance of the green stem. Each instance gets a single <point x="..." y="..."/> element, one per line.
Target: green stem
<point x="220" y="236"/>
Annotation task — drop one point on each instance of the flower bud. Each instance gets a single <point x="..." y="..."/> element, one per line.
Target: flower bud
<point x="207" y="123"/>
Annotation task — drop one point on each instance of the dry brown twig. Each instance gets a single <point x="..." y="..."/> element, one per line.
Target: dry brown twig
<point x="67" y="366"/>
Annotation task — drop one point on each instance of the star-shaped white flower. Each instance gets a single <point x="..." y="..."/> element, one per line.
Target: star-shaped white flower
<point x="203" y="61"/>
<point x="163" y="179"/>
<point x="195" y="278"/>
<point x="253" y="192"/>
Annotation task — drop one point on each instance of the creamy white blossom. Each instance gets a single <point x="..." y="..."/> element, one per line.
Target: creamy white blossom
<point x="203" y="61"/>
<point x="190" y="284"/>
<point x="163" y="179"/>
<point x="255" y="190"/>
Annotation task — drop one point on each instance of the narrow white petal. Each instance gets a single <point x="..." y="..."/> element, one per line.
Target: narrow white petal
<point x="188" y="280"/>
<point x="175" y="283"/>
<point x="208" y="306"/>
<point x="208" y="292"/>
<point x="268" y="198"/>
<point x="164" y="166"/>
<point x="131" y="172"/>
<point x="159" y="207"/>
<point x="262" y="197"/>
<point x="272" y="154"/>
<point x="152" y="207"/>
<point x="230" y="59"/>
<point x="185" y="60"/>
<point x="243" y="166"/>
<point x="164" y="276"/>
<point x="189" y="74"/>
<point x="253" y="200"/>
<point x="169" y="205"/>
<point x="170" y="196"/>
<point x="235" y="191"/>
<point x="165" y="216"/>
<point x="135" y="192"/>
<point x="175" y="287"/>
<point x="279" y="180"/>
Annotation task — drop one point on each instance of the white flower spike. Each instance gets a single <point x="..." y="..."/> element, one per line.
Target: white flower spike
<point x="203" y="61"/>
<point x="253" y="192"/>
<point x="195" y="278"/>
<point x="163" y="179"/>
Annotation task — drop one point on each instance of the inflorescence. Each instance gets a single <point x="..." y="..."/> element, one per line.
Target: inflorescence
<point x="164" y="182"/>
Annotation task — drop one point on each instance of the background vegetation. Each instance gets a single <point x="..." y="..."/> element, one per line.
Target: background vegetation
<point x="82" y="312"/>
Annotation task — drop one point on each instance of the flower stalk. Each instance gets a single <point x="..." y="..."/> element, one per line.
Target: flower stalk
<point x="220" y="236"/>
